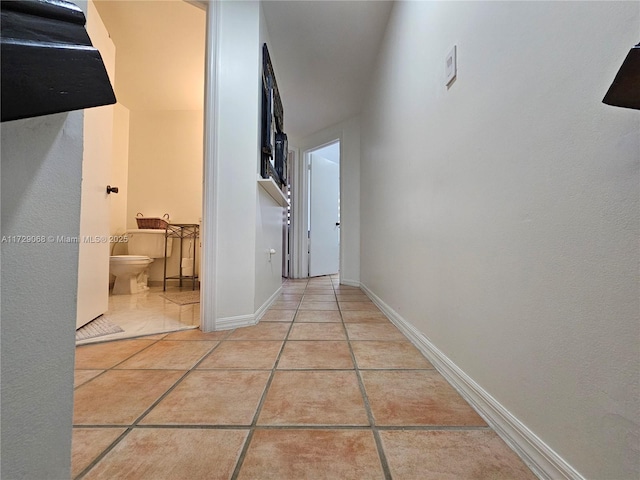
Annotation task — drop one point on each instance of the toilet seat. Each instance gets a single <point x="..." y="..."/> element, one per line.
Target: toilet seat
<point x="130" y="259"/>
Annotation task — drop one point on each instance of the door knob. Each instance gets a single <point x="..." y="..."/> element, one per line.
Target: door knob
<point x="337" y="224"/>
<point x="111" y="189"/>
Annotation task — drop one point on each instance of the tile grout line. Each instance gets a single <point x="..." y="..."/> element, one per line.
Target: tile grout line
<point x="376" y="436"/>
<point x="254" y="422"/>
<point x="253" y="426"/>
<point x="130" y="428"/>
<point x="127" y="427"/>
<point x="112" y="367"/>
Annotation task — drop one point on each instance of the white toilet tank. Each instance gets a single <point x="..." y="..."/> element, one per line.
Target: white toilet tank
<point x="148" y="242"/>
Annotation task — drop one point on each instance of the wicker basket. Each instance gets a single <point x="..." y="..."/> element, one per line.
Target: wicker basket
<point x="153" y="223"/>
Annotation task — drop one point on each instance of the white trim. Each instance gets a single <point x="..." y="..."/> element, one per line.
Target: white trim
<point x="350" y="283"/>
<point x="542" y="460"/>
<point x="265" y="306"/>
<point x="209" y="233"/>
<point x="300" y="190"/>
<point x="270" y="186"/>
<point x="298" y="215"/>
<point x="229" y="323"/>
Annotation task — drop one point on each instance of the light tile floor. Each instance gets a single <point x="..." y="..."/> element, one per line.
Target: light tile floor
<point x="148" y="313"/>
<point x="324" y="387"/>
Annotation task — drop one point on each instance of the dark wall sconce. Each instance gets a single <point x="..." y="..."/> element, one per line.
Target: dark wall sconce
<point x="625" y="89"/>
<point x="48" y="63"/>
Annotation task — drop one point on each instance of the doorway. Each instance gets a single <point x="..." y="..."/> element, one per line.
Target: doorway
<point x="157" y="136"/>
<point x="323" y="209"/>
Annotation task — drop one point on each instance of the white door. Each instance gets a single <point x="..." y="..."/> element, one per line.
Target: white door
<point x="324" y="234"/>
<point x="93" y="256"/>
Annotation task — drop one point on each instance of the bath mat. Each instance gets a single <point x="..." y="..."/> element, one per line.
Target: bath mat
<point x="183" y="298"/>
<point x="97" y="328"/>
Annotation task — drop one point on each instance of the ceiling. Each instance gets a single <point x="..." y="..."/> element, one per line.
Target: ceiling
<point x="323" y="53"/>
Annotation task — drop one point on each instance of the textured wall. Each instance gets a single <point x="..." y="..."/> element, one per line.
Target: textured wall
<point x="500" y="215"/>
<point x="41" y="174"/>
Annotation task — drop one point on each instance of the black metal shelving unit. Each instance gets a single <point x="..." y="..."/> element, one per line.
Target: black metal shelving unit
<point x="182" y="231"/>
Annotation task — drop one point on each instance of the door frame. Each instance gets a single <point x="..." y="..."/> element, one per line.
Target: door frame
<point x="300" y="201"/>
<point x="208" y="229"/>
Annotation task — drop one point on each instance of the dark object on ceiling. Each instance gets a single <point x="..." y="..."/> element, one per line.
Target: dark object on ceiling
<point x="625" y="89"/>
<point x="48" y="63"/>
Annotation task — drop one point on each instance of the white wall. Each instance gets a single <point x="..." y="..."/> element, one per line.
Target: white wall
<point x="165" y="172"/>
<point x="41" y="175"/>
<point x="500" y="216"/>
<point x="269" y="224"/>
<point x="269" y="214"/>
<point x="237" y="153"/>
<point x="349" y="134"/>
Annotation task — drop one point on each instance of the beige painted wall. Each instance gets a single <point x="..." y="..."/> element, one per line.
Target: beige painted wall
<point x="165" y="171"/>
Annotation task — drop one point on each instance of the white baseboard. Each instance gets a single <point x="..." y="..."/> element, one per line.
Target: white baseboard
<point x="538" y="456"/>
<point x="265" y="306"/>
<point x="228" y="323"/>
<point x="350" y="283"/>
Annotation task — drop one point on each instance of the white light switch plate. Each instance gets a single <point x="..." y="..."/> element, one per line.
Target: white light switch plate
<point x="451" y="66"/>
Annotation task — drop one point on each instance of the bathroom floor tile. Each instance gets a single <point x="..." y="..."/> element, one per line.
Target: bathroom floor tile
<point x="364" y="317"/>
<point x="359" y="306"/>
<point x="322" y="306"/>
<point x="148" y="315"/>
<point x="211" y="397"/>
<point x="170" y="354"/>
<point x="88" y="443"/>
<point x="81" y="377"/>
<point x="278" y="316"/>
<point x="317" y="331"/>
<point x="172" y="453"/>
<point x="388" y="355"/>
<point x="312" y="454"/>
<point x="315" y="354"/>
<point x="119" y="397"/>
<point x="261" y="331"/>
<point x="314" y="398"/>
<point x="239" y="354"/>
<point x="419" y="397"/>
<point x="311" y="316"/>
<point x="452" y="455"/>
<point x="109" y="354"/>
<point x="374" y="331"/>
<point x="197" y="334"/>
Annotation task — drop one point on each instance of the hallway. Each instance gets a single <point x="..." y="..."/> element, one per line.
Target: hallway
<point x="323" y="387"/>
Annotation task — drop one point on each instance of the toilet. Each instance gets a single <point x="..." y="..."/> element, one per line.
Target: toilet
<point x="130" y="270"/>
